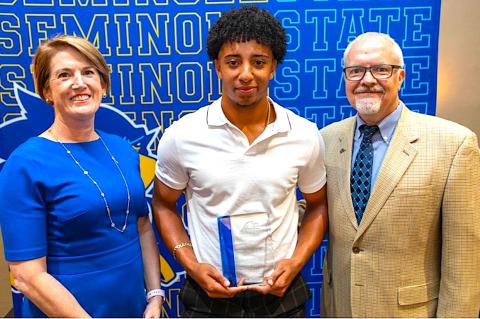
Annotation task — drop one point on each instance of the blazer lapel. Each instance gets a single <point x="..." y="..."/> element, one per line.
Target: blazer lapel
<point x="343" y="158"/>
<point x="399" y="155"/>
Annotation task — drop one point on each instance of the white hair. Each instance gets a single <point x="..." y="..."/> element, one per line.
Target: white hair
<point x="396" y="48"/>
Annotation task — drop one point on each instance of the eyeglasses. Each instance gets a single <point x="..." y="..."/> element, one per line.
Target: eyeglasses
<point x="379" y="71"/>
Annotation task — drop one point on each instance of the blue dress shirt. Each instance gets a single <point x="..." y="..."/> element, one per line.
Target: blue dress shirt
<point x="380" y="140"/>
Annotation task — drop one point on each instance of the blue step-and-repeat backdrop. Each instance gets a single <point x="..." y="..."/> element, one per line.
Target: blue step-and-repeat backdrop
<point x="160" y="72"/>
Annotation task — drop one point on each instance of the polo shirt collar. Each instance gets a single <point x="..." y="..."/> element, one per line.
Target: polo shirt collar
<point x="216" y="117"/>
<point x="282" y="122"/>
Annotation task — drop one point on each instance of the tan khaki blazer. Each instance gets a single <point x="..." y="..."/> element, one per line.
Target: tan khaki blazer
<point x="416" y="252"/>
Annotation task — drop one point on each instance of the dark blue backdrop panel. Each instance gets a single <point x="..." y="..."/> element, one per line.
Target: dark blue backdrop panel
<point x="160" y="71"/>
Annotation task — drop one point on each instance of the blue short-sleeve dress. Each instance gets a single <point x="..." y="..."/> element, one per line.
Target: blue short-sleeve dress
<point x="49" y="208"/>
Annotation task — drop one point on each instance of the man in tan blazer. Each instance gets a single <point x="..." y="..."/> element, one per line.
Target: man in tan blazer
<point x="414" y="250"/>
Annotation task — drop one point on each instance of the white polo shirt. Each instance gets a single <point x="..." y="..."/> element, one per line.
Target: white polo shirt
<point x="223" y="174"/>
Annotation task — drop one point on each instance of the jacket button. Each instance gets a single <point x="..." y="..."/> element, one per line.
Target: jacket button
<point x="356" y="250"/>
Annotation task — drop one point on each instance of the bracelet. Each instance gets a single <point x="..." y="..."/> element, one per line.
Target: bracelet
<point x="155" y="292"/>
<point x="180" y="245"/>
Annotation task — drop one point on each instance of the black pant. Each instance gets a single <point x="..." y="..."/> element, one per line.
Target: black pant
<point x="196" y="302"/>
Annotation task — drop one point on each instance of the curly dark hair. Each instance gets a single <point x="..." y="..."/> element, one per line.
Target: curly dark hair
<point x="245" y="24"/>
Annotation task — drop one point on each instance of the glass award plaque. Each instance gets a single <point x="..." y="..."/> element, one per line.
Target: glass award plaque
<point x="245" y="247"/>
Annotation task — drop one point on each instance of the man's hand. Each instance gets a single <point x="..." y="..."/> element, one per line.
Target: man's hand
<point x="172" y="231"/>
<point x="213" y="283"/>
<point x="277" y="284"/>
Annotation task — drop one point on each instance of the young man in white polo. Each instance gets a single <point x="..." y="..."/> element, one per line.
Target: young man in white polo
<point x="240" y="160"/>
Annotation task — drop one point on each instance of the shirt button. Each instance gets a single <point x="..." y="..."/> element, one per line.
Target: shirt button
<point x="356" y="250"/>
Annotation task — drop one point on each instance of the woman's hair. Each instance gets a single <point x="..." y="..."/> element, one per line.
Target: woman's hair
<point x="45" y="52"/>
<point x="245" y="24"/>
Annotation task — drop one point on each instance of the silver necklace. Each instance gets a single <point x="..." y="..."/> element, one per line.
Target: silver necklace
<point x="102" y="194"/>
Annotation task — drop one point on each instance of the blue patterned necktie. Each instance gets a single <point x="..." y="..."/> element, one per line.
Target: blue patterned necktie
<point x="361" y="178"/>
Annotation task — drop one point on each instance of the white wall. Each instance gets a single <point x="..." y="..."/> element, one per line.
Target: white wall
<point x="458" y="97"/>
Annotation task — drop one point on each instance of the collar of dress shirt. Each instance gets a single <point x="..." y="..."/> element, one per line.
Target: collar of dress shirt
<point x="386" y="126"/>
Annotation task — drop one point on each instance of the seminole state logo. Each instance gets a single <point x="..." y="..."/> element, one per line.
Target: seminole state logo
<point x="34" y="116"/>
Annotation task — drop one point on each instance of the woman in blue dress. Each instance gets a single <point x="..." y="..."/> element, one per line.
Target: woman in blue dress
<point x="74" y="218"/>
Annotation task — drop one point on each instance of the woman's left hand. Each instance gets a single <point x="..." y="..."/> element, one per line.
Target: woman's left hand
<point x="154" y="307"/>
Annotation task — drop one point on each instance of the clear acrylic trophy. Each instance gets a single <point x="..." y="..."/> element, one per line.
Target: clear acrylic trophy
<point x="246" y="247"/>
